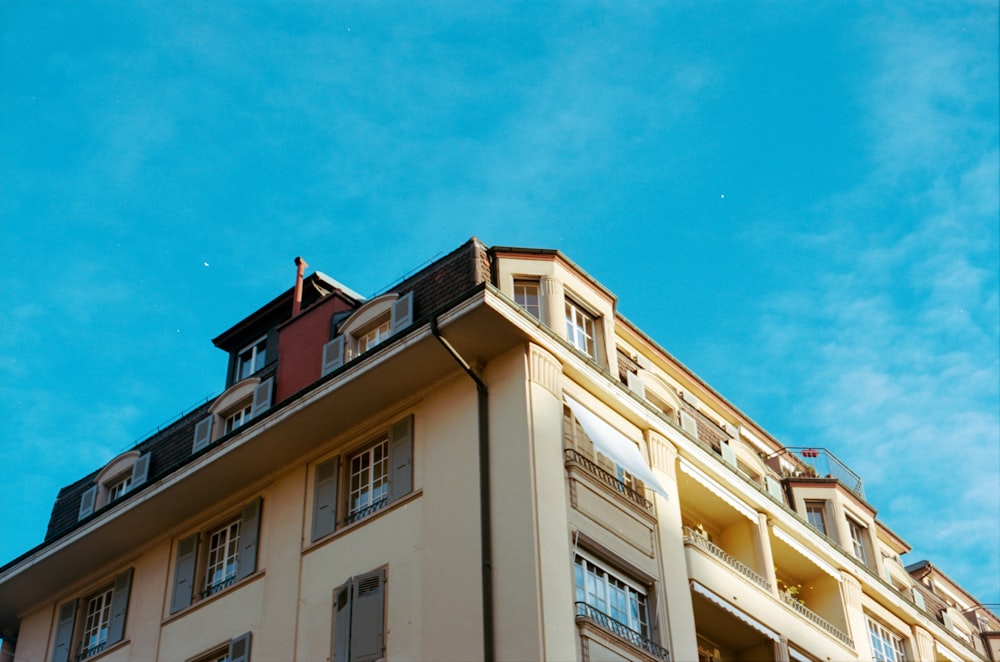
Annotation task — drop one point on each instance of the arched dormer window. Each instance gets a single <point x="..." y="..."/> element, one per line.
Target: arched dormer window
<point x="118" y="477"/>
<point x="237" y="405"/>
<point x="368" y="326"/>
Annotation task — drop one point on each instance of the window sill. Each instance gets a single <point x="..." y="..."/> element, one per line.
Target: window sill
<point x="344" y="530"/>
<point x="194" y="606"/>
<point x="107" y="649"/>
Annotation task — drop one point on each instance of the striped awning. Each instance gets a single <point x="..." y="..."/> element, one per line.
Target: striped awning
<point x="735" y="611"/>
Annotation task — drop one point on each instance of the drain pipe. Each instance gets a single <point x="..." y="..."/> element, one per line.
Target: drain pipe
<point x="485" y="522"/>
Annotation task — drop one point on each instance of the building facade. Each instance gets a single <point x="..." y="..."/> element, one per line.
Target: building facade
<point x="485" y="462"/>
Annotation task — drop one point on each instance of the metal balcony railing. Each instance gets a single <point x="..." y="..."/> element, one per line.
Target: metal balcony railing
<point x="698" y="540"/>
<point x="609" y="479"/>
<point x="225" y="582"/>
<point x="362" y="513"/>
<point x="825" y="625"/>
<point x="821" y="463"/>
<point x="619" y="629"/>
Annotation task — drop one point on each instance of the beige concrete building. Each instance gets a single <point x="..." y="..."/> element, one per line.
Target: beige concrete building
<point x="486" y="462"/>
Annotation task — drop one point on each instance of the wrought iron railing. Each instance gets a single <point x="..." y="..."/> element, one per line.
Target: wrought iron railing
<point x="608" y="478"/>
<point x="212" y="589"/>
<point x="817" y="619"/>
<point x="619" y="629"/>
<point x="366" y="511"/>
<point x="700" y="541"/>
<point x="90" y="651"/>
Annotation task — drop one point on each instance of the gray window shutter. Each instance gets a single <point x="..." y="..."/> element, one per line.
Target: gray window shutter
<point x="183" y="589"/>
<point x="402" y="312"/>
<point x="140" y="471"/>
<point x="119" y="606"/>
<point x="728" y="454"/>
<point x="918" y="599"/>
<point x="64" y="632"/>
<point x="87" y="502"/>
<point x="239" y="648"/>
<point x="689" y="424"/>
<point x="774" y="488"/>
<point x="246" y="563"/>
<point x="342" y="623"/>
<point x="325" y="498"/>
<point x="367" y="616"/>
<point x="401" y="458"/>
<point x="635" y="385"/>
<point x="262" y="397"/>
<point x="333" y="355"/>
<point x="202" y="434"/>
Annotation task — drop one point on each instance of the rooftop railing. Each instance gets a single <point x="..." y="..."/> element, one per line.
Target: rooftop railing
<point x="821" y="463"/>
<point x="698" y="540"/>
<point x="619" y="629"/>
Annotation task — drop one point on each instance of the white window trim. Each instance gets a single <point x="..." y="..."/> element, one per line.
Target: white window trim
<point x="886" y="637"/>
<point x="254" y="356"/>
<point x="574" y="312"/>
<point x="355" y="513"/>
<point x="529" y="281"/>
<point x="610" y="571"/>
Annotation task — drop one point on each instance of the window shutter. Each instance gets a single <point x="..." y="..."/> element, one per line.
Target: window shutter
<point x="401" y="458"/>
<point x="246" y="563"/>
<point x="262" y="397"/>
<point x="87" y="502"/>
<point x="333" y="355"/>
<point x="342" y="623"/>
<point x="239" y="648"/>
<point x="119" y="606"/>
<point x="183" y="589"/>
<point x="728" y="454"/>
<point x="689" y="424"/>
<point x="367" y="616"/>
<point x="140" y="471"/>
<point x="202" y="434"/>
<point x="325" y="498"/>
<point x="64" y="632"/>
<point x="402" y="312"/>
<point x="635" y="384"/>
<point x="774" y="488"/>
<point x="918" y="599"/>
<point x="947" y="620"/>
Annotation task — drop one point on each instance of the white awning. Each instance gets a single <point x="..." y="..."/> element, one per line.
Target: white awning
<point x="804" y="551"/>
<point x="947" y="653"/>
<point x="799" y="657"/>
<point x="615" y="445"/>
<point x="738" y="613"/>
<point x="718" y="490"/>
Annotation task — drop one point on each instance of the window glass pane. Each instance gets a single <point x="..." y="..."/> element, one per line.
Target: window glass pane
<point x="369" y="481"/>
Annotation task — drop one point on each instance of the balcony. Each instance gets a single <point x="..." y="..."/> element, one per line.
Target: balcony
<point x="821" y="463"/>
<point x="695" y="538"/>
<point x="818" y="620"/>
<point x="586" y="613"/>
<point x="574" y="457"/>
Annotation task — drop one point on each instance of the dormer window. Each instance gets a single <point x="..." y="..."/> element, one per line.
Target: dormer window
<point x="374" y="336"/>
<point x="526" y="295"/>
<point x="238" y="417"/>
<point x="119" y="487"/>
<point x="580" y="329"/>
<point x="251" y="359"/>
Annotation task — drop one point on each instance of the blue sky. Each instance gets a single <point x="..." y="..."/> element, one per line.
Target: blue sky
<point x="798" y="200"/>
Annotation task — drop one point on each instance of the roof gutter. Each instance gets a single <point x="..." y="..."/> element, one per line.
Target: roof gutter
<point x="485" y="522"/>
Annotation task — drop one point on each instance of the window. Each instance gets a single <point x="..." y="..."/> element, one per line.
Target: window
<point x="119" y="487"/>
<point x="526" y="295"/>
<point x="238" y="418"/>
<point x="359" y="618"/>
<point x="610" y="473"/>
<point x="374" y="476"/>
<point x="886" y="646"/>
<point x="580" y="329"/>
<point x="858" y="540"/>
<point x="87" y="626"/>
<point x="237" y="650"/>
<point x="816" y="514"/>
<point x="121" y="475"/>
<point x="251" y="359"/>
<point x="374" y="336"/>
<point x="369" y="480"/>
<point x="229" y="554"/>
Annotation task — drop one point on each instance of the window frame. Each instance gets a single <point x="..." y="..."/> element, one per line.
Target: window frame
<point x="237" y="417"/>
<point x="817" y="507"/>
<point x="859" y="540"/>
<point x="74" y="625"/>
<point x="888" y="641"/>
<point x="374" y="335"/>
<point x="626" y="585"/>
<point x="376" y="453"/>
<point x="521" y="294"/>
<point x="210" y="563"/>
<point x="575" y="311"/>
<point x="119" y="486"/>
<point x="258" y="355"/>
<point x="86" y="649"/>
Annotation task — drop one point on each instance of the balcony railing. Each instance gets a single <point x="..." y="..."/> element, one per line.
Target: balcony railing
<point x="91" y="651"/>
<point x="225" y="582"/>
<point x="619" y="629"/>
<point x="825" y="625"/>
<point x="606" y="477"/>
<point x="362" y="513"/>
<point x="822" y="463"/>
<point x="700" y="541"/>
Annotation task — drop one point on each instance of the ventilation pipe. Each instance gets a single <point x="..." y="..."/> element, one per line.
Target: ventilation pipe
<point x="300" y="266"/>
